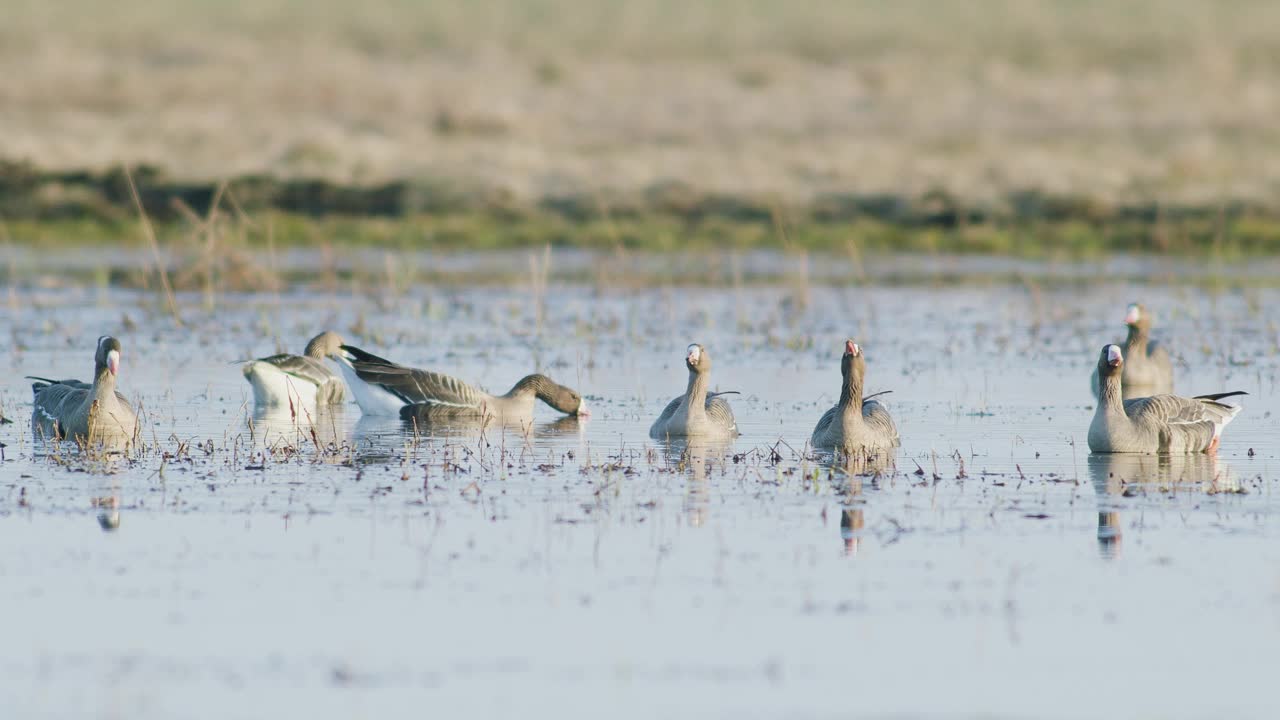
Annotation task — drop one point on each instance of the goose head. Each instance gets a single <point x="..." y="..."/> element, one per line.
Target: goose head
<point x="697" y="359"/>
<point x="567" y="401"/>
<point x="853" y="360"/>
<point x="324" y="345"/>
<point x="1138" y="317"/>
<point x="108" y="355"/>
<point x="562" y="398"/>
<point x="1111" y="361"/>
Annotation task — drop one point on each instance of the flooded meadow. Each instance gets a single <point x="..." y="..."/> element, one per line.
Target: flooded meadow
<point x="334" y="565"/>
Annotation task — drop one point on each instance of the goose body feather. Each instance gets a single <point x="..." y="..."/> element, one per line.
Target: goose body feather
<point x="382" y="387"/>
<point x="1155" y="424"/>
<point x="881" y="432"/>
<point x="73" y="409"/>
<point x="674" y="420"/>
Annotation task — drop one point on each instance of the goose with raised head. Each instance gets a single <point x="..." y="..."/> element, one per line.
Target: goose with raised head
<point x="95" y="414"/>
<point x="855" y="426"/>
<point x="1160" y="423"/>
<point x="298" y="380"/>
<point x="1147" y="367"/>
<point x="697" y="413"/>
<point x="382" y="387"/>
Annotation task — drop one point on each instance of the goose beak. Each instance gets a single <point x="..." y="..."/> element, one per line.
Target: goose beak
<point x="1131" y="317"/>
<point x="695" y="353"/>
<point x="851" y="348"/>
<point x="113" y="361"/>
<point x="583" y="410"/>
<point x="1114" y="358"/>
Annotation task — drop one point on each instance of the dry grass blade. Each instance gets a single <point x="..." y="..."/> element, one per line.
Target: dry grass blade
<point x="150" y="235"/>
<point x="539" y="270"/>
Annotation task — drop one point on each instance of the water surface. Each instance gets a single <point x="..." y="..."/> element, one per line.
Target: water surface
<point x="580" y="568"/>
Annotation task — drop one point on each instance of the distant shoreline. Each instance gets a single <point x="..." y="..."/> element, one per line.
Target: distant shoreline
<point x="88" y="208"/>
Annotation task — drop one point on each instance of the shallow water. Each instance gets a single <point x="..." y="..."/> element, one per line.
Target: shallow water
<point x="581" y="568"/>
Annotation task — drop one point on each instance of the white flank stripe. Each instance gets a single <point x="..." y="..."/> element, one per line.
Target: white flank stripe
<point x="372" y="399"/>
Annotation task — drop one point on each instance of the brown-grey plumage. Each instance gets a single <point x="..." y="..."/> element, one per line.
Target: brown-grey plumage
<point x="287" y="379"/>
<point x="697" y="413"/>
<point x="514" y="406"/>
<point x="1148" y="369"/>
<point x="426" y="396"/>
<point x="1160" y="423"/>
<point x="96" y="414"/>
<point x="856" y="426"/>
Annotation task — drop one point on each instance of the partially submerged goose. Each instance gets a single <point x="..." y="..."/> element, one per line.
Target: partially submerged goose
<point x="1161" y="423"/>
<point x="1147" y="367"/>
<point x="382" y="387"/>
<point x="697" y="413"/>
<point x="95" y="414"/>
<point x="298" y="379"/>
<point x="856" y="426"/>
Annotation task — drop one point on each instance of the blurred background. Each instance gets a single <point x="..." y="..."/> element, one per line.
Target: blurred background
<point x="1001" y="126"/>
<point x="973" y="190"/>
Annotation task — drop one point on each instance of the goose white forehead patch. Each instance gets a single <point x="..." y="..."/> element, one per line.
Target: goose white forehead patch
<point x="1113" y="353"/>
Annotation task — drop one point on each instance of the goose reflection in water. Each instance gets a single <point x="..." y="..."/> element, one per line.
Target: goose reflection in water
<point x="272" y="425"/>
<point x="379" y="439"/>
<point x="1117" y="476"/>
<point x="852" y="522"/>
<point x="852" y="517"/>
<point x="696" y="458"/>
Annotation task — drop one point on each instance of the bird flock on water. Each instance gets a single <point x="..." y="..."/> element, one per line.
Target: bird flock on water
<point x="1136" y="409"/>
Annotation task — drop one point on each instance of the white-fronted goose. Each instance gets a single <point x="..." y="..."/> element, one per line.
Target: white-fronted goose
<point x="298" y="379"/>
<point x="1161" y="423"/>
<point x="856" y="426"/>
<point x="382" y="387"/>
<point x="696" y="413"/>
<point x="96" y="414"/>
<point x="1147" y="367"/>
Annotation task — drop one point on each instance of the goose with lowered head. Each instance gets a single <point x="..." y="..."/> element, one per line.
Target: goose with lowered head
<point x="382" y="387"/>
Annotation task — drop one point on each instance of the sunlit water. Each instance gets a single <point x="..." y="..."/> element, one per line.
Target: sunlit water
<point x="581" y="569"/>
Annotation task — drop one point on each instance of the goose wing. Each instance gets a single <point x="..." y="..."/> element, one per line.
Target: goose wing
<point x="303" y="368"/>
<point x="416" y="386"/>
<point x="46" y="382"/>
<point x="1183" y="422"/>
<point x="1165" y="409"/>
<point x="1156" y="352"/>
<point x="425" y="413"/>
<point x="877" y="417"/>
<point x="719" y="412"/>
<point x="665" y="417"/>
<point x="824" y="425"/>
<point x="53" y="398"/>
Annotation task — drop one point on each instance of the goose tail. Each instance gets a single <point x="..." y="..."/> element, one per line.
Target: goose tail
<point x="1215" y="397"/>
<point x="1229" y="414"/>
<point x="359" y="355"/>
